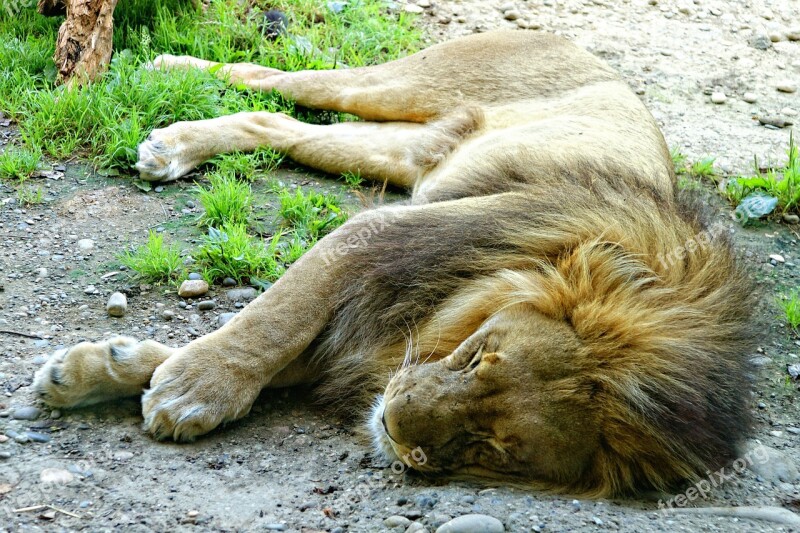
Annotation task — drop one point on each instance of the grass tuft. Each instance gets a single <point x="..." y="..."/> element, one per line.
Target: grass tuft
<point x="230" y="252"/>
<point x="19" y="162"/>
<point x="790" y="305"/>
<point x="225" y="200"/>
<point x="154" y="262"/>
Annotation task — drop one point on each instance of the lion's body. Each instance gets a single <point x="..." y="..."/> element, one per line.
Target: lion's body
<point x="560" y="314"/>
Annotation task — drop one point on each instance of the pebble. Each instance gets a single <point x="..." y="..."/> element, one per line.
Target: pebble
<point x="194" y="275"/>
<point x="771" y="464"/>
<point x="411" y="8"/>
<point x="166" y="314"/>
<point x="192" y="288"/>
<point x="55" y="414"/>
<point x="91" y="289"/>
<point x="228" y="282"/>
<point x="786" y="86"/>
<point x="472" y="523"/>
<point x="41" y="273"/>
<point x="117" y="304"/>
<point x="5" y="455"/>
<point x="777" y="257"/>
<point x="776" y="122"/>
<point x="576" y="506"/>
<point x="508" y="6"/>
<point x="718" y="97"/>
<point x="55" y="475"/>
<point x="37" y="437"/>
<point x="123" y="456"/>
<point x="416" y="527"/>
<point x="3" y="439"/>
<point x="511" y="15"/>
<point x="793" y="430"/>
<point x="750" y="98"/>
<point x="160" y="188"/>
<point x="761" y="42"/>
<point x="206" y="305"/>
<point x="424" y="3"/>
<point x="397" y="521"/>
<point x="224" y="318"/>
<point x="275" y="527"/>
<point x="26" y="413"/>
<point x="245" y="294"/>
<point x="86" y="245"/>
<point x="791" y="219"/>
<point x="190" y="204"/>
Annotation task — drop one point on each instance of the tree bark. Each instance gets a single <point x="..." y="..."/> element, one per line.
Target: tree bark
<point x="51" y="8"/>
<point x="83" y="49"/>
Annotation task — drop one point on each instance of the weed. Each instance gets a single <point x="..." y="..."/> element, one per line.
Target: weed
<point x="19" y="163"/>
<point x="245" y="165"/>
<point x="678" y="161"/>
<point x="154" y="261"/>
<point x="311" y="215"/>
<point x="703" y="168"/>
<point x="353" y="179"/>
<point x="225" y="200"/>
<point x="791" y="309"/>
<point x="28" y="195"/>
<point x="687" y="183"/>
<point x="230" y="252"/>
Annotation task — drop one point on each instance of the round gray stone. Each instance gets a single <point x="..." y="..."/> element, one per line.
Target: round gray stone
<point x="472" y="523"/>
<point x="26" y="413"/>
<point x="117" y="304"/>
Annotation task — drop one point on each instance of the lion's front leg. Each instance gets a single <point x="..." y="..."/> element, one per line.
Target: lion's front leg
<point x="91" y="373"/>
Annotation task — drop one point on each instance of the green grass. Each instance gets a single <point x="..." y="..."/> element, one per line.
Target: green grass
<point x="790" y="305"/>
<point x="311" y="215"/>
<point x="703" y="168"/>
<point x="678" y="160"/>
<point x="245" y="166"/>
<point x="29" y="195"/>
<point x="353" y="179"/>
<point x="154" y="261"/>
<point x="19" y="162"/>
<point x="231" y="252"/>
<point x="782" y="183"/>
<point x="227" y="199"/>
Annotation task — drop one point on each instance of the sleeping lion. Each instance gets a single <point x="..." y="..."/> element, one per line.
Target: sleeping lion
<point x="546" y="309"/>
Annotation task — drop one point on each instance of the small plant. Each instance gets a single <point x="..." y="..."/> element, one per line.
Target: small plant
<point x="244" y="166"/>
<point x="225" y="200"/>
<point x="28" y="195"/>
<point x="703" y="168"/>
<point x="791" y="309"/>
<point x="353" y="179"/>
<point x="230" y="252"/>
<point x="19" y="163"/>
<point x="154" y="262"/>
<point x="678" y="161"/>
<point x="311" y="215"/>
<point x="688" y="183"/>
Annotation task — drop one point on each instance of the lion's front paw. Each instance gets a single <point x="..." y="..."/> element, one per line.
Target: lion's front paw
<point x="91" y="372"/>
<point x="193" y="393"/>
<point x="167" y="154"/>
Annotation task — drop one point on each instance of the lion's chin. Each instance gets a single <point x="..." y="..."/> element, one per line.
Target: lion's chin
<point x="380" y="440"/>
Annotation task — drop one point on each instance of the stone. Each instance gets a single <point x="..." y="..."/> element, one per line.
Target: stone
<point x="194" y="276"/>
<point x="786" y="86"/>
<point x="777" y="257"/>
<point x="86" y="246"/>
<point x="472" y="523"/>
<point x="57" y="476"/>
<point x="750" y="98"/>
<point x="228" y="282"/>
<point x="37" y="437"/>
<point x="166" y="314"/>
<point x="718" y="97"/>
<point x="91" y="289"/>
<point x="397" y="521"/>
<point x="245" y="294"/>
<point x="206" y="305"/>
<point x="791" y="219"/>
<point x="771" y="464"/>
<point x="511" y="15"/>
<point x="411" y="8"/>
<point x="508" y="6"/>
<point x="123" y="456"/>
<point x="416" y="527"/>
<point x="760" y="41"/>
<point x="26" y="413"/>
<point x="424" y="3"/>
<point x="224" y="318"/>
<point x="117" y="304"/>
<point x="191" y="288"/>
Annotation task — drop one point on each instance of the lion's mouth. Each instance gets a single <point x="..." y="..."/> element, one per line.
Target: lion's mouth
<point x="377" y="428"/>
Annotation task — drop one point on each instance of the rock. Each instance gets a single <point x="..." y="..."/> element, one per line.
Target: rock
<point x="166" y="314"/>
<point x="194" y="276"/>
<point x="760" y="41"/>
<point x="791" y="219"/>
<point x="793" y="34"/>
<point x="508" y="6"/>
<point x="789" y="112"/>
<point x="41" y="273"/>
<point x="190" y="204"/>
<point x="37" y="437"/>
<point x="416" y="527"/>
<point x="123" y="456"/>
<point x="228" y="282"/>
<point x="55" y="414"/>
<point x="224" y="318"/>
<point x="511" y="15"/>
<point x="86" y="246"/>
<point x="771" y="464"/>
<point x="411" y="8"/>
<point x="718" y="97"/>
<point x="750" y="98"/>
<point x="57" y="476"/>
<point x="397" y="521"/>
<point x="117" y="304"/>
<point x="192" y="288"/>
<point x="424" y="3"/>
<point x="245" y="294"/>
<point x="206" y="305"/>
<point x="26" y="413"/>
<point x="786" y="86"/>
<point x="91" y="289"/>
<point x="793" y="430"/>
<point x="472" y="523"/>
<point x="777" y="257"/>
<point x="576" y="506"/>
<point x="774" y="121"/>
<point x="5" y="455"/>
<point x="3" y="439"/>
<point x="275" y="527"/>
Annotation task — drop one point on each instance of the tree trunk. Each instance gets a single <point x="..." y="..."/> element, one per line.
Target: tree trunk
<point x="52" y="8"/>
<point x="83" y="49"/>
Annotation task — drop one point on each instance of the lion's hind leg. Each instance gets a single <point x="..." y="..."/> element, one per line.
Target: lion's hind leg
<point x="90" y="373"/>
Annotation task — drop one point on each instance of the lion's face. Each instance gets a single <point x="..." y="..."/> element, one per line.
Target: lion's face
<point x="506" y="403"/>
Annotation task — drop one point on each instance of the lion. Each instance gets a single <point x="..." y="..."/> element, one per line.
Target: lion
<point x="547" y="308"/>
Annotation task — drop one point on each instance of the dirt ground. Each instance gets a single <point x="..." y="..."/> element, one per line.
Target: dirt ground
<point x="289" y="466"/>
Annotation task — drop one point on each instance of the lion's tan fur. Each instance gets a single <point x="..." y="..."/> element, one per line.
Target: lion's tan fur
<point x="551" y="309"/>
